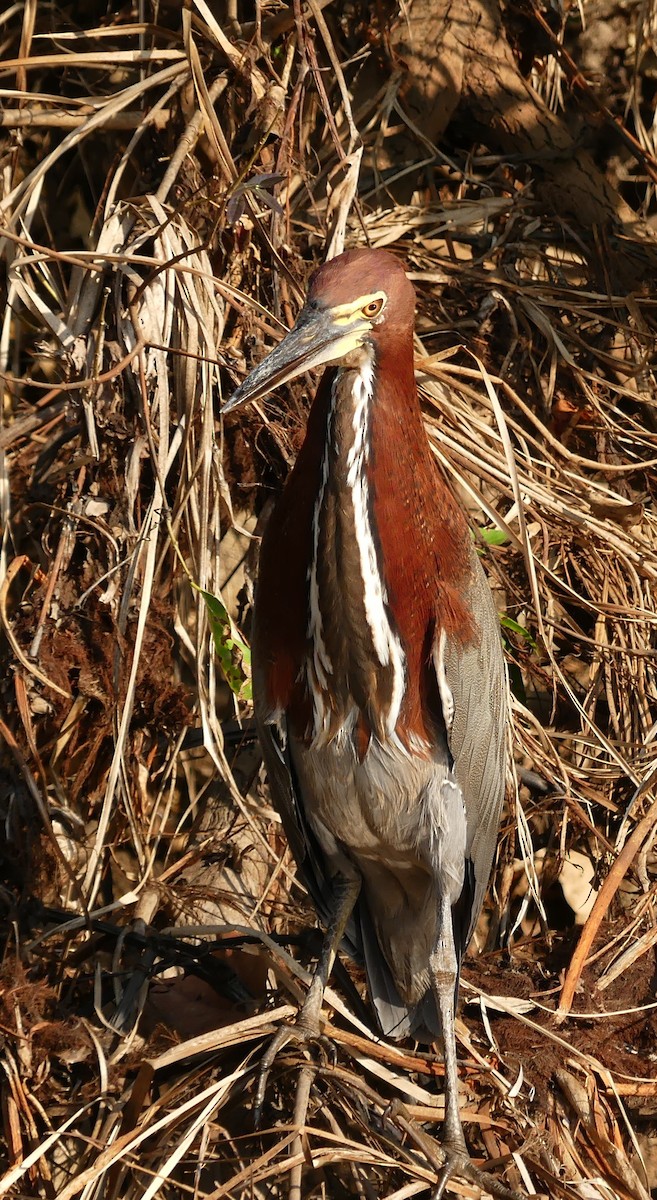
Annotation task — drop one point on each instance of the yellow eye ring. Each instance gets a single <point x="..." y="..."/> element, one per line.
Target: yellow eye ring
<point x="373" y="308"/>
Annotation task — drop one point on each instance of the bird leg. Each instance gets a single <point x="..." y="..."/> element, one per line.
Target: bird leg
<point x="444" y="970"/>
<point x="306" y="1027"/>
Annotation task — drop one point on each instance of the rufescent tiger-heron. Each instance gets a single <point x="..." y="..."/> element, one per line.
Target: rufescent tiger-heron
<point x="378" y="675"/>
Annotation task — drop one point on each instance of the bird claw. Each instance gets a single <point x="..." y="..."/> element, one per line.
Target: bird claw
<point x="458" y="1162"/>
<point x="448" y="1157"/>
<point x="303" y="1032"/>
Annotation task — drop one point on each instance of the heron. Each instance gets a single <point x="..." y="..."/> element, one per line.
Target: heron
<point x="378" y="673"/>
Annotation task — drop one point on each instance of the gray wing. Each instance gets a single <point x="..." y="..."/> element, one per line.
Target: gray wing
<point x="307" y="852"/>
<point x="477" y="738"/>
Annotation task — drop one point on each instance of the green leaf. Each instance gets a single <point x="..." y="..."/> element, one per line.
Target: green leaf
<point x="233" y="653"/>
<point x="509" y="623"/>
<point x="494" y="537"/>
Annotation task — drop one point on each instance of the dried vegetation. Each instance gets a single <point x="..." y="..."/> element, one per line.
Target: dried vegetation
<point x="169" y="177"/>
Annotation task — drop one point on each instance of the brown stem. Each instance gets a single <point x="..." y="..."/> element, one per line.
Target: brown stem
<point x="604" y="899"/>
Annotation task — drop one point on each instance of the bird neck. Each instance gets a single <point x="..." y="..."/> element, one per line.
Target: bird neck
<point x="367" y="402"/>
<point x="361" y="565"/>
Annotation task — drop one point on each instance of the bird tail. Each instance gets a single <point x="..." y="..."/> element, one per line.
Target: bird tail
<point x="397" y="1020"/>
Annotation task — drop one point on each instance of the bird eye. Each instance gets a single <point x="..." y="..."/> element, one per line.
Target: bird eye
<point x="373" y="308"/>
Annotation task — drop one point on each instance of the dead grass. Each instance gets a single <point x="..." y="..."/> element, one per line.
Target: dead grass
<point x="167" y="185"/>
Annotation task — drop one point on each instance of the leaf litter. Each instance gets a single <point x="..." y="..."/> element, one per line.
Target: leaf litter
<point x="168" y="183"/>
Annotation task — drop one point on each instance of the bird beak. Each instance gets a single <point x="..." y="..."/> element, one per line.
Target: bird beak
<point x="318" y="337"/>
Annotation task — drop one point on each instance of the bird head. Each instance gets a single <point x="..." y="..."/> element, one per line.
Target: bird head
<point x="360" y="298"/>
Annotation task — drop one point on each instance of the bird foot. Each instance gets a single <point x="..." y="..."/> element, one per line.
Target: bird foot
<point x="449" y="1157"/>
<point x="458" y="1162"/>
<point x="304" y="1031"/>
